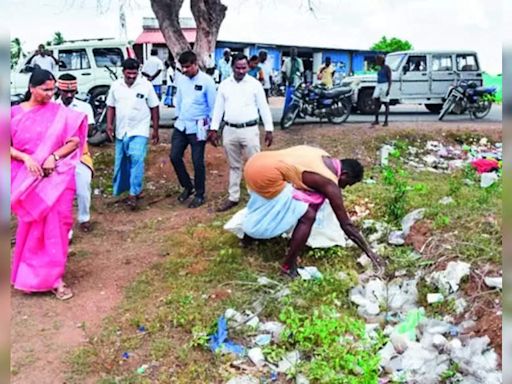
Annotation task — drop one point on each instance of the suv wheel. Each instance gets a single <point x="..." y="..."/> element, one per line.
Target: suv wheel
<point x="98" y="98"/>
<point x="365" y="102"/>
<point x="434" y="108"/>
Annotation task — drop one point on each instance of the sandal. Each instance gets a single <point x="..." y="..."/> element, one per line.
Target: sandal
<point x="63" y="293"/>
<point x="290" y="272"/>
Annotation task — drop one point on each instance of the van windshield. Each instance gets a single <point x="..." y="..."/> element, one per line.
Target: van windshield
<point x="394" y="61"/>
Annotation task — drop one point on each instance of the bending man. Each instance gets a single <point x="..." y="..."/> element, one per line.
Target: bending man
<point x="287" y="188"/>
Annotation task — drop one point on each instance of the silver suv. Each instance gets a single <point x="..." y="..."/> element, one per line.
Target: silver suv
<point x="419" y="77"/>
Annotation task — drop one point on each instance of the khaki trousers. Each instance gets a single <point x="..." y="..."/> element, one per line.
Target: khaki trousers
<point x="239" y="143"/>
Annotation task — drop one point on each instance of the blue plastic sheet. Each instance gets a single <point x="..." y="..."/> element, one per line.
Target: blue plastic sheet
<point x="219" y="340"/>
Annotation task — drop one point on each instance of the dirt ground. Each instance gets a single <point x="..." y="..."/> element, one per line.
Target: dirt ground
<point x="123" y="244"/>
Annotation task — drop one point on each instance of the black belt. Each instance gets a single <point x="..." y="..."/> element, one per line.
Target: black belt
<point x="251" y="123"/>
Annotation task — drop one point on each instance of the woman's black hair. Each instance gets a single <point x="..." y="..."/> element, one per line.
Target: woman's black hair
<point x="38" y="77"/>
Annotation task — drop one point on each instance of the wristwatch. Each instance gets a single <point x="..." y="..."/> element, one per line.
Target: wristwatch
<point x="56" y="157"/>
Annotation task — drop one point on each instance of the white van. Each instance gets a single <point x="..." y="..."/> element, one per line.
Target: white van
<point x="85" y="59"/>
<point x="418" y="77"/>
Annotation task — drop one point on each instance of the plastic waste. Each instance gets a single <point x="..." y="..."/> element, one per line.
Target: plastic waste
<point x="219" y="340"/>
<point x="435" y="298"/>
<point x="487" y="179"/>
<point x="256" y="356"/>
<point x="246" y="379"/>
<point x="494" y="282"/>
<point x="411" y="322"/>
<point x="309" y="273"/>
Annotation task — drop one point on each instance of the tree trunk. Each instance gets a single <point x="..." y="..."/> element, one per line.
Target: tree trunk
<point x="208" y="15"/>
<point x="167" y="13"/>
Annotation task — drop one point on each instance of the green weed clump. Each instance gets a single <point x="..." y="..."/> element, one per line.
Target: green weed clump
<point x="335" y="348"/>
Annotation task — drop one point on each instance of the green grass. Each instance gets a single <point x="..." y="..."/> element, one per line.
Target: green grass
<point x="173" y="299"/>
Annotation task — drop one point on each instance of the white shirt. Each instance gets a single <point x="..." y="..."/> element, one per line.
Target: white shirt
<point x="132" y="106"/>
<point x="80" y="106"/>
<point x="240" y="102"/>
<point x="151" y="66"/>
<point x="45" y="62"/>
<point x="267" y="71"/>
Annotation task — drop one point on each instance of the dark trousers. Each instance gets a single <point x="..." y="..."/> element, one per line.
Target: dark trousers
<point x="179" y="142"/>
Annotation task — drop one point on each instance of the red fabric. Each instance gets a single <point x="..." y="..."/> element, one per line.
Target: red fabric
<point x="485" y="165"/>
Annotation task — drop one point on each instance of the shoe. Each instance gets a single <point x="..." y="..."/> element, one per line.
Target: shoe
<point x="132" y="203"/>
<point x="196" y="202"/>
<point x="185" y="195"/>
<point x="385" y="124"/>
<point x="85" y="226"/>
<point x="226" y="206"/>
<point x="375" y="123"/>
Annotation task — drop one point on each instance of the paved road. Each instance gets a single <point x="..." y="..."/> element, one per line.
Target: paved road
<point x="403" y="113"/>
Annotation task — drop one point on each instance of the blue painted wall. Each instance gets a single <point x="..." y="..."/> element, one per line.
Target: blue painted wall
<point x="358" y="62"/>
<point x="338" y="57"/>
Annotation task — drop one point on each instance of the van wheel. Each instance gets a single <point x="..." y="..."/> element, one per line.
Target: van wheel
<point x="434" y="108"/>
<point x="365" y="102"/>
<point x="98" y="98"/>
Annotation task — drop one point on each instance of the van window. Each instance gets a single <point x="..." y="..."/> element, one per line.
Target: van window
<point x="467" y="63"/>
<point x="394" y="61"/>
<point x="442" y="63"/>
<point x="73" y="59"/>
<point x="416" y="63"/>
<point x="104" y="56"/>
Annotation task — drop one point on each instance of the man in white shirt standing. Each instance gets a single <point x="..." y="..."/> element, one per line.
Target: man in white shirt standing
<point x="224" y="66"/>
<point x="153" y="71"/>
<point x="133" y="102"/>
<point x="43" y="60"/>
<point x="241" y="100"/>
<point x="266" y="67"/>
<point x="68" y="87"/>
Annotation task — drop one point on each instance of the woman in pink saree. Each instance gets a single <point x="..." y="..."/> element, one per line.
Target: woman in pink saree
<point x="46" y="144"/>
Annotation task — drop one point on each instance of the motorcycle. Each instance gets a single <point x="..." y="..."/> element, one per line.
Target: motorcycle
<point x="468" y="97"/>
<point x="17" y="98"/>
<point x="334" y="104"/>
<point x="98" y="134"/>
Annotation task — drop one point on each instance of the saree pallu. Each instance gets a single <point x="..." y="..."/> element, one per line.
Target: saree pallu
<point x="43" y="205"/>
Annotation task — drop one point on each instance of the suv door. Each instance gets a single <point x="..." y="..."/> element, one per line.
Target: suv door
<point x="443" y="73"/>
<point x="414" y="79"/>
<point x="77" y="62"/>
<point x="468" y="68"/>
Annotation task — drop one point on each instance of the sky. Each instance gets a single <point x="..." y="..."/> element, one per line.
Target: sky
<point x="428" y="24"/>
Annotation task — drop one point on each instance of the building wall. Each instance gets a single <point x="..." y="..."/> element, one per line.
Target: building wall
<point x="340" y="60"/>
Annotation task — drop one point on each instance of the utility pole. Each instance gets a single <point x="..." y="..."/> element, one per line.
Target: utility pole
<point x="123" y="35"/>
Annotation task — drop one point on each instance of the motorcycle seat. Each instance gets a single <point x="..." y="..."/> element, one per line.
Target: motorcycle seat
<point x="335" y="92"/>
<point x="484" y="90"/>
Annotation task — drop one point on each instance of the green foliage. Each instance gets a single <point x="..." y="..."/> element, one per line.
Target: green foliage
<point x="392" y="45"/>
<point x="57" y="38"/>
<point x="450" y="373"/>
<point x="396" y="178"/>
<point x="336" y="347"/>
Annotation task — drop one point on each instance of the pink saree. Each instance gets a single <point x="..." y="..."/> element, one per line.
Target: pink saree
<point x="44" y="206"/>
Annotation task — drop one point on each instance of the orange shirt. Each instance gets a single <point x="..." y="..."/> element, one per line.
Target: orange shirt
<point x="267" y="173"/>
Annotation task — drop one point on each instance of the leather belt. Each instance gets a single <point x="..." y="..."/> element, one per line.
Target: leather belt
<point x="250" y="123"/>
